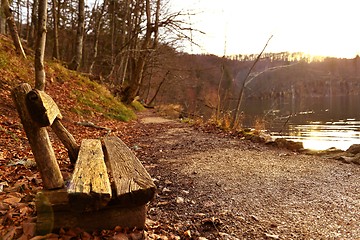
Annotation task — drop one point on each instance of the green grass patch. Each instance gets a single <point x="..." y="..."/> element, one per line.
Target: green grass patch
<point x="97" y="98"/>
<point x="137" y="106"/>
<point x="3" y="60"/>
<point x="60" y="73"/>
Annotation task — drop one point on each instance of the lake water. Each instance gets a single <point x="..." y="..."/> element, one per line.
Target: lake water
<point x="320" y="123"/>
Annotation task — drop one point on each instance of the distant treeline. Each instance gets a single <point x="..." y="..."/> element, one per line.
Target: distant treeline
<point x="202" y="83"/>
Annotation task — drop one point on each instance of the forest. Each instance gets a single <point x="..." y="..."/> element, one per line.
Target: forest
<point x="135" y="49"/>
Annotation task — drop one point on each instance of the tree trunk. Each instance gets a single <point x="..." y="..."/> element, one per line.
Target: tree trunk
<point x="158" y="88"/>
<point x="98" y="23"/>
<point x="40" y="46"/>
<point x="12" y="27"/>
<point x="33" y="27"/>
<point x="156" y="24"/>
<point x="125" y="56"/>
<point x="75" y="64"/>
<point x="113" y="6"/>
<point x="27" y="19"/>
<point x="137" y="76"/>
<point x="2" y="20"/>
<point x="56" y="54"/>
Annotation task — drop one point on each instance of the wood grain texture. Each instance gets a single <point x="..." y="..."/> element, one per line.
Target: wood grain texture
<point x="133" y="184"/>
<point x="42" y="108"/>
<point x="89" y="188"/>
<point x="67" y="139"/>
<point x="39" y="141"/>
<point x="44" y="111"/>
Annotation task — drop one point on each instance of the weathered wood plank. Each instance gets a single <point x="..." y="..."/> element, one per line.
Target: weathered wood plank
<point x="44" y="111"/>
<point x="133" y="184"/>
<point x="39" y="141"/>
<point x="67" y="139"/>
<point x="89" y="188"/>
<point x="55" y="212"/>
<point x="42" y="108"/>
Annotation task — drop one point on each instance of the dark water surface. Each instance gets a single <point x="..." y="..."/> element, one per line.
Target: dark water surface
<point x="319" y="122"/>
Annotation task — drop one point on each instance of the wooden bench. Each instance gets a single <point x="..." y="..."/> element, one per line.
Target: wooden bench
<point x="109" y="186"/>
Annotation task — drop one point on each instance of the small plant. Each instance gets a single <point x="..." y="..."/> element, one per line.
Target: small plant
<point x="137" y="106"/>
<point x="3" y="61"/>
<point x="260" y="124"/>
<point x="170" y="110"/>
<point x="226" y="121"/>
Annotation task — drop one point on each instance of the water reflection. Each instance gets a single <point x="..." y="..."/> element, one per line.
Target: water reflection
<point x="322" y="136"/>
<point x="320" y="123"/>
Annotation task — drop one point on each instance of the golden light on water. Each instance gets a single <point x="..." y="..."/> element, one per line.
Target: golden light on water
<point x="320" y="144"/>
<point x="339" y="135"/>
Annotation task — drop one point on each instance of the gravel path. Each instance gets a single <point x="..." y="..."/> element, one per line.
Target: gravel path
<point x="217" y="187"/>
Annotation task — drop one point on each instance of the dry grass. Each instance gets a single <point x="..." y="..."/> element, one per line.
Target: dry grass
<point x="171" y="110"/>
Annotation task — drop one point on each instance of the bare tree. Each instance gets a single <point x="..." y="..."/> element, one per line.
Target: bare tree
<point x="2" y="20"/>
<point x="158" y="88"/>
<point x="146" y="48"/>
<point x="33" y="27"/>
<point x="75" y="63"/>
<point x="235" y="121"/>
<point x="40" y="46"/>
<point x="12" y="27"/>
<point x="97" y="26"/>
<point x="56" y="53"/>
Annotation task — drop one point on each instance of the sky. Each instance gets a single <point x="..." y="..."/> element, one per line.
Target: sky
<point x="316" y="27"/>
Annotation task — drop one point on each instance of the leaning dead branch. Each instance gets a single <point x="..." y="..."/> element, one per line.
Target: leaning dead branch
<point x="235" y="121"/>
<point x="92" y="125"/>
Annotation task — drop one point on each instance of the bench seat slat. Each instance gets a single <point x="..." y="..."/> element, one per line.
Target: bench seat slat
<point x="133" y="184"/>
<point x="89" y="187"/>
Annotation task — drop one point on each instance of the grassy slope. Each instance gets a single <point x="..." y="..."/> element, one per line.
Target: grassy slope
<point x="79" y="99"/>
<point x="75" y="94"/>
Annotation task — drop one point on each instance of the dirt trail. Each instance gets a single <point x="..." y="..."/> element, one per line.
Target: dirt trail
<point x="217" y="187"/>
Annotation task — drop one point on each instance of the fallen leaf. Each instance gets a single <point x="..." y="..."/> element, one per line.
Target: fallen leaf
<point x="136" y="235"/>
<point x="4" y="206"/>
<point x="162" y="203"/>
<point x="48" y="236"/>
<point x="86" y="236"/>
<point x="29" y="229"/>
<point x="187" y="233"/>
<point x="151" y="224"/>
<point x="209" y="204"/>
<point x="12" y="200"/>
<point x="180" y="200"/>
<point x="120" y="236"/>
<point x="2" y="185"/>
<point x="165" y="190"/>
<point x="272" y="236"/>
<point x="10" y="234"/>
<point x="167" y="182"/>
<point x="23" y="237"/>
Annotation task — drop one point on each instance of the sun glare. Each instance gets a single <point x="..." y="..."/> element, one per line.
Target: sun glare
<point x="319" y="28"/>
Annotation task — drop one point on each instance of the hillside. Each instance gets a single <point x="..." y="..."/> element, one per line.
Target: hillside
<point x="73" y="92"/>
